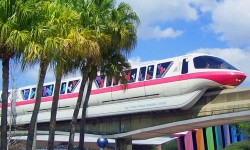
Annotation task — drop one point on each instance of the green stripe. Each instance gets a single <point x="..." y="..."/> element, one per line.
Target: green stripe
<point x="210" y="139"/>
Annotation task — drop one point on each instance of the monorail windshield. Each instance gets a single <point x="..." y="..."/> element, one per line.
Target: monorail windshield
<point x="209" y="62"/>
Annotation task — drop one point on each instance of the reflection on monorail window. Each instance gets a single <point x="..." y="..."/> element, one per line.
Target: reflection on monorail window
<point x="115" y="81"/>
<point x="150" y="72"/>
<point x="162" y="69"/>
<point x="99" y="81"/>
<point x="25" y="94"/>
<point x="32" y="93"/>
<point x="63" y="88"/>
<point x="108" y="82"/>
<point x="47" y="90"/>
<point x="72" y="85"/>
<point x="142" y="74"/>
<point x="130" y="75"/>
<point x="210" y="62"/>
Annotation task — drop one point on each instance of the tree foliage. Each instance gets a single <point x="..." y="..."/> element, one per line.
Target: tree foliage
<point x="244" y="145"/>
<point x="244" y="127"/>
<point x="65" y="35"/>
<point x="15" y="24"/>
<point x="120" y="25"/>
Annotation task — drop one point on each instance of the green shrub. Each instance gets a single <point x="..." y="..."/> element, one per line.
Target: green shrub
<point x="244" y="145"/>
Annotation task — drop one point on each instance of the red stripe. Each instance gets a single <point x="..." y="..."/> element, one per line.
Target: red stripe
<point x="223" y="78"/>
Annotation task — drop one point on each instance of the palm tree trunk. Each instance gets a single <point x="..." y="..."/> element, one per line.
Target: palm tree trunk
<point x="84" y="108"/>
<point x="34" y="141"/>
<point x="5" y="86"/>
<point x="41" y="77"/>
<point x="77" y="108"/>
<point x="53" y="113"/>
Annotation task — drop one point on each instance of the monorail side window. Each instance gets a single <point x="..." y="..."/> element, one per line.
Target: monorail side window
<point x="108" y="82"/>
<point x="130" y="75"/>
<point x="99" y="81"/>
<point x="150" y="72"/>
<point x="32" y="93"/>
<point x="25" y="94"/>
<point x="162" y="69"/>
<point x="47" y="90"/>
<point x="115" y="81"/>
<point x="142" y="74"/>
<point x="63" y="88"/>
<point x="72" y="85"/>
<point x="184" y="69"/>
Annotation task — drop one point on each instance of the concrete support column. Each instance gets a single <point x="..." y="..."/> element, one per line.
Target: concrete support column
<point x="123" y="144"/>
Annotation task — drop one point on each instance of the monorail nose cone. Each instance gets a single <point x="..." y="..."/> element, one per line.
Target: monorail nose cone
<point x="239" y="78"/>
<point x="233" y="79"/>
<point x="243" y="77"/>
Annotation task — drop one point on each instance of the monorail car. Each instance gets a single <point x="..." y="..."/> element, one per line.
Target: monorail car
<point x="175" y="83"/>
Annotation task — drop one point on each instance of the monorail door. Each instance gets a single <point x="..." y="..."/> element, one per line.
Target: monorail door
<point x="184" y="79"/>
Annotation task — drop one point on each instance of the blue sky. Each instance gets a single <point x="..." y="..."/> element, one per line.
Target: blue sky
<point x="175" y="27"/>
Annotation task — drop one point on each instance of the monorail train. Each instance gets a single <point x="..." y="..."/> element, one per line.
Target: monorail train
<point x="175" y="83"/>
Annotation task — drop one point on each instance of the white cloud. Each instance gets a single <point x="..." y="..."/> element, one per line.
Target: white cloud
<point x="160" y="11"/>
<point x="237" y="57"/>
<point x="228" y="19"/>
<point x="204" y="6"/>
<point x="30" y="76"/>
<point x="152" y="12"/>
<point x="137" y="60"/>
<point x="156" y="32"/>
<point x="134" y="61"/>
<point x="231" y="21"/>
<point x="19" y="78"/>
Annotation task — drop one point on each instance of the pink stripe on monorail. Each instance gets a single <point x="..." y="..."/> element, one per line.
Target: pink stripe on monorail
<point x="223" y="78"/>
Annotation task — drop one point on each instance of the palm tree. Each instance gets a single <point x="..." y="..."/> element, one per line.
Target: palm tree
<point x="122" y="29"/>
<point x="46" y="41"/>
<point x="84" y="63"/>
<point x="57" y="34"/>
<point x="119" y="24"/>
<point x="89" y="20"/>
<point x="77" y="46"/>
<point x="15" y="19"/>
<point x="62" y="62"/>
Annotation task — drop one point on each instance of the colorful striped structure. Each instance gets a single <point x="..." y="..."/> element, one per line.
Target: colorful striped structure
<point x="209" y="138"/>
